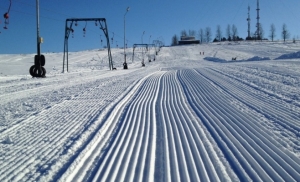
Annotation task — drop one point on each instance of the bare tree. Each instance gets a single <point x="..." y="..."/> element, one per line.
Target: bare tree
<point x="174" y="40"/>
<point x="272" y="32"/>
<point x="228" y="32"/>
<point x="219" y="33"/>
<point x="183" y="33"/>
<point x="285" y="33"/>
<point x="208" y="34"/>
<point x="201" y="35"/>
<point x="261" y="32"/>
<point x="192" y="33"/>
<point x="234" y="32"/>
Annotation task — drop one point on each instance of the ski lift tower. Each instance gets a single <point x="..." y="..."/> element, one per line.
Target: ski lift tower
<point x="37" y="70"/>
<point x="142" y="46"/>
<point x="69" y="29"/>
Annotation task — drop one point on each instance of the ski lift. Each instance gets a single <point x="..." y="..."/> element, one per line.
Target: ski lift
<point x="101" y="39"/>
<point x="84" y="32"/>
<point x="6" y="16"/>
<point x="76" y="24"/>
<point x="84" y="29"/>
<point x="112" y="39"/>
<point x="72" y="30"/>
<point x="96" y="24"/>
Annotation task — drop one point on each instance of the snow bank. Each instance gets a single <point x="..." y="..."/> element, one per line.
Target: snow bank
<point x="255" y="58"/>
<point x="213" y="59"/>
<point x="293" y="55"/>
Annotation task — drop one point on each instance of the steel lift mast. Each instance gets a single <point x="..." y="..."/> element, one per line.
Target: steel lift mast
<point x="139" y="45"/>
<point x="38" y="70"/>
<point x="69" y="29"/>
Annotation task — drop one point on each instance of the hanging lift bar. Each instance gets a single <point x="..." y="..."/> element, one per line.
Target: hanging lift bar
<point x="6" y="16"/>
<point x="138" y="45"/>
<point x="69" y="29"/>
<point x="142" y="45"/>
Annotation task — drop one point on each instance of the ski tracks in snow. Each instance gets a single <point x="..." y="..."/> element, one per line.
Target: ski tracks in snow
<point x="156" y="137"/>
<point x="250" y="151"/>
<point x="127" y="140"/>
<point x="179" y="126"/>
<point x="47" y="141"/>
<point x="174" y="125"/>
<point x="185" y="155"/>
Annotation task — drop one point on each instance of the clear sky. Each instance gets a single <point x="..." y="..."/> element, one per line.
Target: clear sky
<point x="160" y="19"/>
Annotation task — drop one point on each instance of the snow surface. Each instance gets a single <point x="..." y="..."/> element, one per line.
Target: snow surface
<point x="184" y="117"/>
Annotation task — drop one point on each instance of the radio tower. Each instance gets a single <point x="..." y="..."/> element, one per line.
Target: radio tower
<point x="258" y="25"/>
<point x="248" y="19"/>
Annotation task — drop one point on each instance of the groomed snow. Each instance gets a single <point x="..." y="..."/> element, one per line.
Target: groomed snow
<point x="184" y="117"/>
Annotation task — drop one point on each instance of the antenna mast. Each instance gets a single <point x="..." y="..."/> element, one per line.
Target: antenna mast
<point x="248" y="19"/>
<point x="258" y="25"/>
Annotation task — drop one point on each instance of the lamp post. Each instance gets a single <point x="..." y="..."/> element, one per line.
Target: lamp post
<point x="149" y="39"/>
<point x="143" y="64"/>
<point x="149" y="49"/>
<point x="125" y="64"/>
<point x="142" y="36"/>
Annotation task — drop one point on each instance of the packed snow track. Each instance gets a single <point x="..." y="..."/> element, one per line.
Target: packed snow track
<point x="192" y="121"/>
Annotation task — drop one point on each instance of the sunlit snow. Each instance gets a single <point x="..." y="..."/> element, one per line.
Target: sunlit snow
<point x="193" y="114"/>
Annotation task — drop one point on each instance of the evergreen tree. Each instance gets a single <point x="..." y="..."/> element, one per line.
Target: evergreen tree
<point x="272" y="32"/>
<point x="174" y="40"/>
<point x="285" y="33"/>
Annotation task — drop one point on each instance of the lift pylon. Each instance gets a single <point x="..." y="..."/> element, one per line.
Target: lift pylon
<point x="69" y="29"/>
<point x="140" y="45"/>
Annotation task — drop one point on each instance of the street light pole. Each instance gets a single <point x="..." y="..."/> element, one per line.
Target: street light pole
<point x="149" y="49"/>
<point x="125" y="64"/>
<point x="149" y="39"/>
<point x="143" y="64"/>
<point x="142" y="36"/>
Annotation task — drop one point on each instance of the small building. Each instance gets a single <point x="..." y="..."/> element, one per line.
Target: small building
<point x="185" y="40"/>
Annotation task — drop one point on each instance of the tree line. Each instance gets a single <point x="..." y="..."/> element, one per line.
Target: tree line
<point x="231" y="34"/>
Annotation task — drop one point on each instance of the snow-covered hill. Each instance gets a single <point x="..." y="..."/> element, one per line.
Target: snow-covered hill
<point x="193" y="114"/>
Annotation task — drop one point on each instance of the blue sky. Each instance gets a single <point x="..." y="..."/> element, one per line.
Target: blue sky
<point x="160" y="19"/>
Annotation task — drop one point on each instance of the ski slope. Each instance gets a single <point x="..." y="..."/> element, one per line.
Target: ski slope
<point x="182" y="117"/>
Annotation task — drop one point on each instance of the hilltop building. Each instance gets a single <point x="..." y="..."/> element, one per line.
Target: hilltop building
<point x="185" y="40"/>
